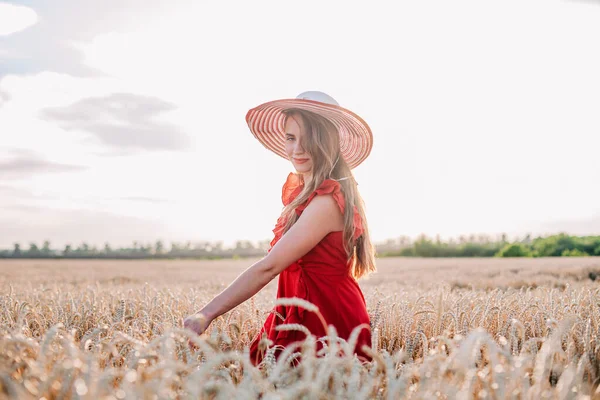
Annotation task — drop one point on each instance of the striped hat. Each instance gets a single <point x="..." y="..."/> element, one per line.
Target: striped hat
<point x="266" y="122"/>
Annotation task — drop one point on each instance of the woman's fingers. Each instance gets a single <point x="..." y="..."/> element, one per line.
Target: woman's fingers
<point x="196" y="323"/>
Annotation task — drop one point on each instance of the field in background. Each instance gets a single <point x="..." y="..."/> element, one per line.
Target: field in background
<point x="443" y="328"/>
<point x="395" y="271"/>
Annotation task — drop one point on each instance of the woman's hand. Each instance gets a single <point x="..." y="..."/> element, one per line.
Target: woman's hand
<point x="196" y="323"/>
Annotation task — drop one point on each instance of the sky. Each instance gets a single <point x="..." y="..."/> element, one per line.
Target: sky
<point x="123" y="120"/>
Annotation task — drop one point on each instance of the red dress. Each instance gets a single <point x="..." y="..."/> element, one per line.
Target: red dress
<point x="321" y="277"/>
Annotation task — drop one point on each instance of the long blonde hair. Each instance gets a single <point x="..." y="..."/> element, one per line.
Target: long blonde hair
<point x="321" y="141"/>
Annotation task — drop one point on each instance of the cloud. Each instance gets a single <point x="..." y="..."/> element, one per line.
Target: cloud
<point x="24" y="163"/>
<point x="121" y="121"/>
<point x="594" y="2"/>
<point x="52" y="44"/>
<point x="13" y="192"/>
<point x="15" y="18"/>
<point x="10" y="194"/>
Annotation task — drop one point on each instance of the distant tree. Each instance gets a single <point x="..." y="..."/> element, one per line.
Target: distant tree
<point x="478" y="250"/>
<point x="34" y="250"/>
<point x="67" y="251"/>
<point x="158" y="247"/>
<point x="404" y="241"/>
<point x="107" y="249"/>
<point x="17" y="250"/>
<point x="264" y="245"/>
<point x="574" y="253"/>
<point x="46" y="248"/>
<point x="589" y="244"/>
<point x="424" y="247"/>
<point x="514" y="250"/>
<point x="145" y="249"/>
<point x="554" y="246"/>
<point x="484" y="239"/>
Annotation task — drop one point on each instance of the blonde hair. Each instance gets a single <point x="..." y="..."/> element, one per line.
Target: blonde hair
<point x="321" y="141"/>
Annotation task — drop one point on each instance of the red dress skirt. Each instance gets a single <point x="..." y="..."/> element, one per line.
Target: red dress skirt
<point x="322" y="277"/>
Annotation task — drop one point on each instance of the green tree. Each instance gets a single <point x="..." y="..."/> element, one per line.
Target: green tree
<point x="83" y="248"/>
<point x="158" y="247"/>
<point x="46" y="248"/>
<point x="514" y="250"/>
<point x="34" y="250"/>
<point x="589" y="244"/>
<point x="145" y="249"/>
<point x="553" y="246"/>
<point x="574" y="253"/>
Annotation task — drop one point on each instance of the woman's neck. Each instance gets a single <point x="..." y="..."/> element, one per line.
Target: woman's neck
<point x="307" y="177"/>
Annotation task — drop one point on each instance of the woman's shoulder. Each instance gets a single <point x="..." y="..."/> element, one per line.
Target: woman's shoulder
<point x="327" y="187"/>
<point x="325" y="211"/>
<point x="330" y="195"/>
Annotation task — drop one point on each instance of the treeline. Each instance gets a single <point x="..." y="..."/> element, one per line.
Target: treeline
<point x="202" y="250"/>
<point x="561" y="245"/>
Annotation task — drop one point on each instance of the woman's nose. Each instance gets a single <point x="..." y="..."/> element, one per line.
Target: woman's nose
<point x="298" y="149"/>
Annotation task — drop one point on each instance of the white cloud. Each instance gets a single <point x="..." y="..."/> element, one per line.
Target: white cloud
<point x="121" y="121"/>
<point x="15" y="18"/>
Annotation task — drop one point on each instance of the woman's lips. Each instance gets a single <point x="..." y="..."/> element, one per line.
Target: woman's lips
<point x="301" y="161"/>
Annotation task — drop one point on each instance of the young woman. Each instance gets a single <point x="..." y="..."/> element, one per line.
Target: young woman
<point x="321" y="244"/>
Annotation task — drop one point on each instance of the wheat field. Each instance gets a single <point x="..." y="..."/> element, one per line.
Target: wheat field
<point x="442" y="329"/>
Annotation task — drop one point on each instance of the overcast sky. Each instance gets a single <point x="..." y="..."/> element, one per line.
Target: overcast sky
<point x="123" y="120"/>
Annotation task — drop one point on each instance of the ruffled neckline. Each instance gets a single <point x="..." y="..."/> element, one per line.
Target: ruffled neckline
<point x="294" y="184"/>
<point x="291" y="189"/>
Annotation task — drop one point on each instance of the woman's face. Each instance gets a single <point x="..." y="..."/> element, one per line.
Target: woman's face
<point x="294" y="134"/>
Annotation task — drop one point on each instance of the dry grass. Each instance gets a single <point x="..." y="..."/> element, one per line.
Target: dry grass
<point x="522" y="329"/>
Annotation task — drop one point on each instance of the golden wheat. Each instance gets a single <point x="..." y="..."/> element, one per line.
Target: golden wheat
<point x="112" y="341"/>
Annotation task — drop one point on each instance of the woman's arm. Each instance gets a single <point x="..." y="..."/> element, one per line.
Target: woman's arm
<point x="319" y="218"/>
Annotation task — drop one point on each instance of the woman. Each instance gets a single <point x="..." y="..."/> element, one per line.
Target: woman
<point x="321" y="244"/>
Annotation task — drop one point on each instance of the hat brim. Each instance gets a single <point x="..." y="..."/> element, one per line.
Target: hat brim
<point x="266" y="122"/>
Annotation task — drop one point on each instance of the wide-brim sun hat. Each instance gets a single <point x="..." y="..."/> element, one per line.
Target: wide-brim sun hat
<point x="266" y="122"/>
